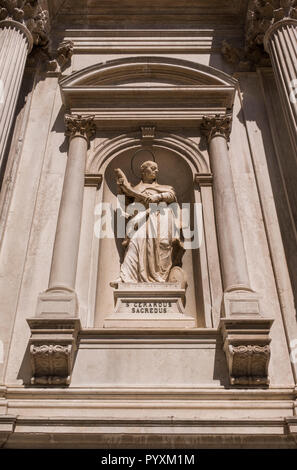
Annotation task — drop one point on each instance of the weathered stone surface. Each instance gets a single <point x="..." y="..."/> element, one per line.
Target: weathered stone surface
<point x="28" y="13"/>
<point x="148" y="364"/>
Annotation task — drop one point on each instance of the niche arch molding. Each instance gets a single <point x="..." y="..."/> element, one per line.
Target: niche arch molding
<point x="122" y="147"/>
<point x="184" y="147"/>
<point x="172" y="95"/>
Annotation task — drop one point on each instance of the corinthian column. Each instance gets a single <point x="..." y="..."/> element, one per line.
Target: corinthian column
<point x="60" y="296"/>
<point x="245" y="332"/>
<point x="274" y="23"/>
<point x="231" y="247"/>
<point x="55" y="328"/>
<point x="22" y="24"/>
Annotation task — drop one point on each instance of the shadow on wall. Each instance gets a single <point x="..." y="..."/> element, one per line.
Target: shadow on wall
<point x="220" y="371"/>
<point x="281" y="162"/>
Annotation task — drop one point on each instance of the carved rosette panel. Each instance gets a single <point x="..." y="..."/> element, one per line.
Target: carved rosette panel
<point x="51" y="364"/>
<point x="248" y="364"/>
<point x="77" y="125"/>
<point x="30" y="14"/>
<point x="216" y="125"/>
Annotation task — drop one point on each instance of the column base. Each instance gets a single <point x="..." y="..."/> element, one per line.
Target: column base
<point x="52" y="350"/>
<point x="57" y="302"/>
<point x="238" y="302"/>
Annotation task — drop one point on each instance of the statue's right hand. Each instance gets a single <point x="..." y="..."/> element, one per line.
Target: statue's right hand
<point x="121" y="178"/>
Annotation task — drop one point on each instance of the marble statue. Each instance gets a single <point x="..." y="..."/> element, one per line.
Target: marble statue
<point x="153" y="253"/>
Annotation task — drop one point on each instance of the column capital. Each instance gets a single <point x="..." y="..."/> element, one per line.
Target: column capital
<point x="212" y="126"/>
<point x="263" y="14"/>
<point x="77" y="125"/>
<point x="29" y="17"/>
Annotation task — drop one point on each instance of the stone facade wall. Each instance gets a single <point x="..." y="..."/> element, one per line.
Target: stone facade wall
<point x="148" y="387"/>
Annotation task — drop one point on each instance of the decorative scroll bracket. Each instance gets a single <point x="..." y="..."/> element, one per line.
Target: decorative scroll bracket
<point x="247" y="349"/>
<point x="53" y="344"/>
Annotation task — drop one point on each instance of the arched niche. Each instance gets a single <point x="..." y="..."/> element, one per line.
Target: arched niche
<point x="173" y="95"/>
<point x="179" y="162"/>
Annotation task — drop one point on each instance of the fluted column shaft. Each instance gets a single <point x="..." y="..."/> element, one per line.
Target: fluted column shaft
<point x="22" y="24"/>
<point x="232" y="254"/>
<point x="65" y="254"/>
<point x="15" y="44"/>
<point x="281" y="43"/>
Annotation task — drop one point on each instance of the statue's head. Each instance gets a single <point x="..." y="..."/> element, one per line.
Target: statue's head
<point x="149" y="171"/>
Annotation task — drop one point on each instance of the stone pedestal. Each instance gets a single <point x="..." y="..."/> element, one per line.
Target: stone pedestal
<point x="149" y="305"/>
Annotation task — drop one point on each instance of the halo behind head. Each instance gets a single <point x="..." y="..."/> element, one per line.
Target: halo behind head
<point x="141" y="155"/>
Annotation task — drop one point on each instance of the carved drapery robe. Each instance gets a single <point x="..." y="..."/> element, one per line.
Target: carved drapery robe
<point x="148" y="256"/>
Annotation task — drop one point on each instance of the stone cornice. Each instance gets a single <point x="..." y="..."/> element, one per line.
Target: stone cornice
<point x="27" y="14"/>
<point x="77" y="125"/>
<point x="212" y="126"/>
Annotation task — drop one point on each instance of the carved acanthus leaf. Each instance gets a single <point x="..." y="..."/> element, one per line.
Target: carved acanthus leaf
<point x="216" y="125"/>
<point x="63" y="55"/>
<point x="30" y="14"/>
<point x="263" y="13"/>
<point x="246" y="58"/>
<point x="80" y="125"/>
<point x="65" y="52"/>
<point x="51" y="364"/>
<point x="249" y="364"/>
